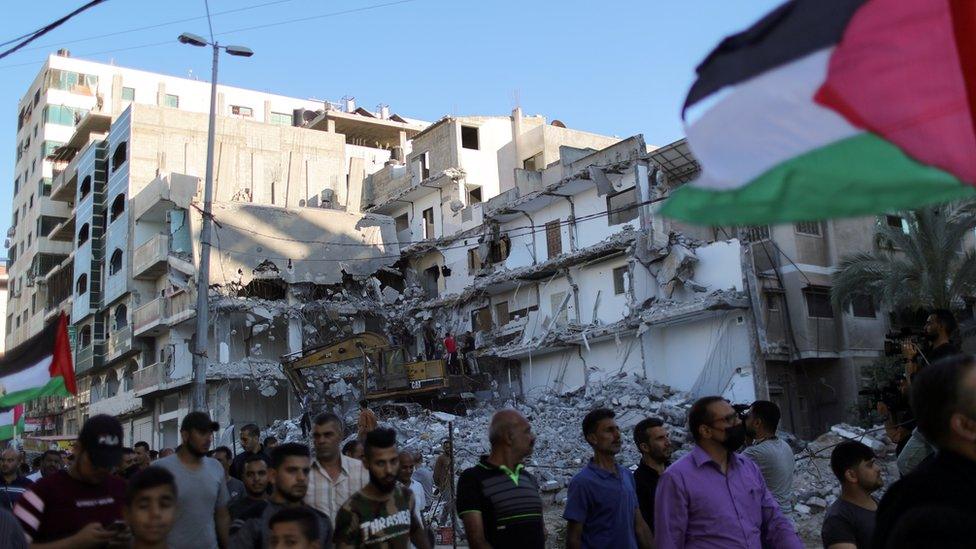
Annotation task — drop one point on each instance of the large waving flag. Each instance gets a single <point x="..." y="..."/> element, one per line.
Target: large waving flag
<point x="38" y="367"/>
<point x="833" y="108"/>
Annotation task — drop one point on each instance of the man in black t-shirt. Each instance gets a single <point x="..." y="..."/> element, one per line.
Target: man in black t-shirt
<point x="850" y="519"/>
<point x="652" y="441"/>
<point x="498" y="500"/>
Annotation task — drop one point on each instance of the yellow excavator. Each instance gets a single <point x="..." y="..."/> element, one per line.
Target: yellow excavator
<point x="382" y="373"/>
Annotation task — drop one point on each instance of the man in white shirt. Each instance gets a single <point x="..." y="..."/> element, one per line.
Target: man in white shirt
<point x="334" y="477"/>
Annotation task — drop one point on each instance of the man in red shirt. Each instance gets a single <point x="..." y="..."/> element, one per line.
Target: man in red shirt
<point x="450" y="347"/>
<point x="81" y="506"/>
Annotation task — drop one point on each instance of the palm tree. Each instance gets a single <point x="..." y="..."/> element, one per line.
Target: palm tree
<point x="918" y="265"/>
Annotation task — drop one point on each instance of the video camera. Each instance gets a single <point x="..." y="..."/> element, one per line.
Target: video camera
<point x="742" y="410"/>
<point x="890" y="394"/>
<point x="894" y="339"/>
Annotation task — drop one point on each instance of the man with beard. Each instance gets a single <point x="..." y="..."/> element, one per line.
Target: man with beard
<point x="288" y="473"/>
<point x="12" y="483"/>
<point x="382" y="514"/>
<point x="653" y="443"/>
<point x="51" y="462"/>
<point x="255" y="490"/>
<point x="143" y="453"/>
<point x="201" y="508"/>
<point x="498" y="500"/>
<point x="601" y="507"/>
<point x="849" y="521"/>
<point x="334" y="476"/>
<point x="771" y="453"/>
<point x="714" y="497"/>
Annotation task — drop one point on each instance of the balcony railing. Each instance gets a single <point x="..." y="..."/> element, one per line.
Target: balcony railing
<point x="149" y="316"/>
<point x="120" y="344"/>
<point x="148" y="378"/>
<point x="89" y="357"/>
<point x="182" y="306"/>
<point x="149" y="259"/>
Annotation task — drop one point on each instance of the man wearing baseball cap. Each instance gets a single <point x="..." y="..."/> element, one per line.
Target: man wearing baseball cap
<point x="201" y="505"/>
<point x="81" y="506"/>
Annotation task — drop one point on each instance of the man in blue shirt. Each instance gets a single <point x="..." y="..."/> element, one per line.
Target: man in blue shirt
<point x="602" y="508"/>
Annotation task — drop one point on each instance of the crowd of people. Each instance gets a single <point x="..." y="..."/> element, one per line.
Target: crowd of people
<point x="733" y="489"/>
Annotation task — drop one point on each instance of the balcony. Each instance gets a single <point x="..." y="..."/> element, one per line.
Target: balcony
<point x="89" y="357"/>
<point x="149" y="259"/>
<point x="153" y="378"/>
<point x="182" y="307"/>
<point x="150" y="318"/>
<point x="162" y="195"/>
<point x="121" y="403"/>
<point x="120" y="345"/>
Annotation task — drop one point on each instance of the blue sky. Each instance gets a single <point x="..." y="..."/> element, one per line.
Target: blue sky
<point x="617" y="67"/>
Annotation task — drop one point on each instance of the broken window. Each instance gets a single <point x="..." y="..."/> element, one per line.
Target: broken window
<point x="423" y="161"/>
<point x="474" y="195"/>
<point x="402" y="222"/>
<point x="862" y="305"/>
<point x="533" y="163"/>
<point x="501" y="313"/>
<point x="469" y="137"/>
<point x="481" y="320"/>
<point x="474" y="261"/>
<point x="811" y="228"/>
<point x="115" y="264"/>
<point x="429" y="280"/>
<point x="554" y="239"/>
<point x="818" y="302"/>
<point x="428" y="223"/>
<point x="521" y="313"/>
<point x="621" y="280"/>
<point x="500" y="249"/>
<point x="121" y="318"/>
<point x="622" y="206"/>
<point x="242" y="111"/>
<point x="119" y="155"/>
<point x="118" y="208"/>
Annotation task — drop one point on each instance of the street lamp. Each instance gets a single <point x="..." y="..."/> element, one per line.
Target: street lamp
<point x="199" y="387"/>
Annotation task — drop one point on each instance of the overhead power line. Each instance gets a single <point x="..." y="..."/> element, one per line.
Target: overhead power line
<point x="49" y="27"/>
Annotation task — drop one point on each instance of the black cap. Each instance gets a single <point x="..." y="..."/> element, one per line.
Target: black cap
<point x="199" y="421"/>
<point x="101" y="438"/>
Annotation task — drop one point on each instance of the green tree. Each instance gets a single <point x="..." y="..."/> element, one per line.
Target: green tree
<point x="921" y="264"/>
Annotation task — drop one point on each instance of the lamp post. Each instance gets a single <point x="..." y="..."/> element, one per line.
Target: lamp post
<point x="199" y="387"/>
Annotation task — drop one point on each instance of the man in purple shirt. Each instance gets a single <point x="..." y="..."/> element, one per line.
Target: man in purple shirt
<point x="715" y="498"/>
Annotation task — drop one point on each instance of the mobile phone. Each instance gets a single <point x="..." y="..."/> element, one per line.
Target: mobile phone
<point x="118" y="526"/>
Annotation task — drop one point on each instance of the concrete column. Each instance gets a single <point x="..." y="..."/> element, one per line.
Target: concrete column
<point x="295" y="328"/>
<point x="330" y="125"/>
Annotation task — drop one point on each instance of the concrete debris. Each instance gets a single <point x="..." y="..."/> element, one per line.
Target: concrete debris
<point x="854" y="433"/>
<point x="678" y="270"/>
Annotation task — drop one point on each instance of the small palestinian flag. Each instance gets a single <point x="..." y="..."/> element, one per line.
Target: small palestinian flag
<point x="11" y="422"/>
<point x="834" y="108"/>
<point x="38" y="367"/>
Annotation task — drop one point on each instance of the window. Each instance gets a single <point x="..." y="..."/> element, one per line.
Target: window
<point x="469" y="137"/>
<point x="402" y="222"/>
<point x="241" y="111"/>
<point x="772" y="300"/>
<point x="757" y="233"/>
<point x="83" y="234"/>
<point x="16" y="185"/>
<point x="49" y="147"/>
<point x="30" y="238"/>
<point x="424" y="168"/>
<point x="501" y="313"/>
<point x="500" y="249"/>
<point x="533" y="163"/>
<point x="170" y="100"/>
<point x="118" y="208"/>
<point x="46" y="223"/>
<point x="81" y="286"/>
<point x="554" y="239"/>
<point x="84" y="336"/>
<point x="621" y="280"/>
<point x="474" y="195"/>
<point x="622" y="207"/>
<point x="115" y="264"/>
<point x="474" y="261"/>
<point x="428" y="216"/>
<point x="862" y="306"/>
<point x="33" y="304"/>
<point x="30" y="203"/>
<point x="44" y="186"/>
<point x="85" y="188"/>
<point x="811" y="228"/>
<point x="128" y="94"/>
<point x="818" y="302"/>
<point x="118" y="156"/>
<point x="63" y="115"/>
<point x="121" y="318"/>
<point x="281" y="118"/>
<point x="481" y="320"/>
<point x="71" y="81"/>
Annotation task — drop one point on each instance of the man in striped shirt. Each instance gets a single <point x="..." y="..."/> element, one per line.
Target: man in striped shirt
<point x="334" y="477"/>
<point x="12" y="483"/>
<point x="81" y="506"/>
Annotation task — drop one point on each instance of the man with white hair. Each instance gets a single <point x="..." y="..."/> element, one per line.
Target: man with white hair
<point x="498" y="501"/>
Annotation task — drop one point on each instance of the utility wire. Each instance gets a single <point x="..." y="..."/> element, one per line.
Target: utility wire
<point x="206" y="4"/>
<point x="49" y="27"/>
<point x="245" y="29"/>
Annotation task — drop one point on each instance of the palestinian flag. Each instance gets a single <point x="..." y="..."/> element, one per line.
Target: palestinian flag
<point x="11" y="422"/>
<point x="38" y="367"/>
<point x="834" y="108"/>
